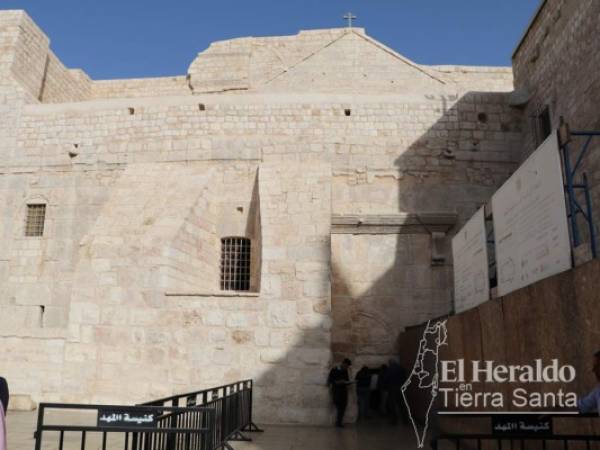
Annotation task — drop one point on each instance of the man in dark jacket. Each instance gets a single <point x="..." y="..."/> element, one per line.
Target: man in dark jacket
<point x="363" y="391"/>
<point x="397" y="378"/>
<point x="338" y="381"/>
<point x="4" y="394"/>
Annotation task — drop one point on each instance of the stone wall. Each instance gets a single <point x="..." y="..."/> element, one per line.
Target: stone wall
<point x="327" y="61"/>
<point x="461" y="150"/>
<point x="555" y="66"/>
<point x="31" y="65"/>
<point x="61" y="85"/>
<point x="26" y="50"/>
<point x="140" y="87"/>
<point x="143" y="179"/>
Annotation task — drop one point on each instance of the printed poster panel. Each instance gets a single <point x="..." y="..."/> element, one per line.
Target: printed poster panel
<point x="530" y="221"/>
<point x="469" y="251"/>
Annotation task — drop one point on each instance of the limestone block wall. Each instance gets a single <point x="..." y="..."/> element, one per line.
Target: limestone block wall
<point x="145" y="188"/>
<point x="239" y="64"/>
<point x="37" y="272"/>
<point x="355" y="63"/>
<point x="142" y="179"/>
<point x="61" y="85"/>
<point x="120" y="325"/>
<point x="461" y="149"/>
<point x="555" y="65"/>
<point x="381" y="284"/>
<point x="139" y="87"/>
<point x="471" y="78"/>
<point x="336" y="60"/>
<point x="29" y="63"/>
<point x="439" y="153"/>
<point x="126" y="328"/>
<point x="27" y="46"/>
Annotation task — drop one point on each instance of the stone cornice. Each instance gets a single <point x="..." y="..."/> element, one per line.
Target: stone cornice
<point x="408" y="223"/>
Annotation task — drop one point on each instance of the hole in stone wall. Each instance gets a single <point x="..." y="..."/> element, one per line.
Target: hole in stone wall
<point x="131" y="111"/>
<point x="448" y="154"/>
<point x="348" y="112"/>
<point x="73" y="153"/>
<point x="482" y="117"/>
<point x="201" y="107"/>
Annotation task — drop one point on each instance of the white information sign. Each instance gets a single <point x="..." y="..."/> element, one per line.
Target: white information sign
<point x="469" y="251"/>
<point x="530" y="221"/>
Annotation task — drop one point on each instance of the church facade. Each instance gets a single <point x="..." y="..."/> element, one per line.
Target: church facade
<point x="287" y="202"/>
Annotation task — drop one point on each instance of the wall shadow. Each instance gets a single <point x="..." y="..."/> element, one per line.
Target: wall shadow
<point x="453" y="168"/>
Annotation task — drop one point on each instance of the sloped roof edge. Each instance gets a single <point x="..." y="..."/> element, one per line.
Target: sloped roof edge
<point x="363" y="35"/>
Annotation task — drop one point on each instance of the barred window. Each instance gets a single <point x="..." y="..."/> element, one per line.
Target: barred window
<point x="235" y="264"/>
<point x="34" y="224"/>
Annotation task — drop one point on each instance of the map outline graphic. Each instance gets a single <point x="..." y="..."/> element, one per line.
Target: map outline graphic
<point x="419" y="374"/>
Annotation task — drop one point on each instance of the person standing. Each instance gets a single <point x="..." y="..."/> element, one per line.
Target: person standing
<point x="591" y="402"/>
<point x="397" y="378"/>
<point x="4" y="395"/>
<point x="338" y="381"/>
<point x="363" y="391"/>
<point x="383" y="386"/>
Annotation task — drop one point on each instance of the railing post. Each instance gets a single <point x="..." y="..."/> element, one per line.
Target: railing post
<point x="251" y="384"/>
<point x="40" y="426"/>
<point x="224" y="415"/>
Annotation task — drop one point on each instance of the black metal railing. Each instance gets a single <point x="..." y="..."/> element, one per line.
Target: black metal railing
<point x="126" y="427"/>
<point x="201" y="420"/>
<point x="232" y="404"/>
<point x="518" y="439"/>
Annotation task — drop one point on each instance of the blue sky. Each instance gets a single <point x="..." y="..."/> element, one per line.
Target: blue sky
<point x="142" y="38"/>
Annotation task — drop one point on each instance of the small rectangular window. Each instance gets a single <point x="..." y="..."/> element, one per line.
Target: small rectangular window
<point x="36" y="215"/>
<point x="235" y="264"/>
<point x="544" y="124"/>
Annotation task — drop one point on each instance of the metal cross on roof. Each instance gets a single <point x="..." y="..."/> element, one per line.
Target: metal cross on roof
<point x="350" y="17"/>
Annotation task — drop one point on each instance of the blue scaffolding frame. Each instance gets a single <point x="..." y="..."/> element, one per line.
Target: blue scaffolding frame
<point x="574" y="208"/>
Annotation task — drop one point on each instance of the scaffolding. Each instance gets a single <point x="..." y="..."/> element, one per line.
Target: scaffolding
<point x="574" y="146"/>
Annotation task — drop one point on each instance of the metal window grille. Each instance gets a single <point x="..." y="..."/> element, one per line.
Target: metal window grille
<point x="36" y="215"/>
<point x="235" y="264"/>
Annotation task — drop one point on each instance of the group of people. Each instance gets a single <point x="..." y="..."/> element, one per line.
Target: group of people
<point x="385" y="384"/>
<point x="379" y="389"/>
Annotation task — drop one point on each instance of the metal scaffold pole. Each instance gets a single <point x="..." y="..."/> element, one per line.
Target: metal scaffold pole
<point x="572" y="187"/>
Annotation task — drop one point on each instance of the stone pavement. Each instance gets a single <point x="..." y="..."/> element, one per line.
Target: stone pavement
<point x="371" y="436"/>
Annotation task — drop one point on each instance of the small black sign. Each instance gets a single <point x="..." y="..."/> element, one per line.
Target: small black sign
<point x="130" y="418"/>
<point x="507" y="425"/>
<point x="190" y="401"/>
